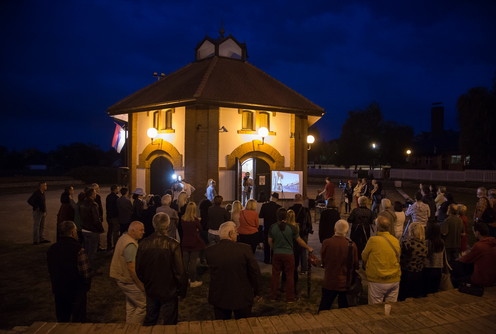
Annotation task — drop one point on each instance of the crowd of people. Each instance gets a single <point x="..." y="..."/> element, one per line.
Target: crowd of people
<point x="158" y="242"/>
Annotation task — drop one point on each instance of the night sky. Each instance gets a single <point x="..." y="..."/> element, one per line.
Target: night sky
<point x="63" y="63"/>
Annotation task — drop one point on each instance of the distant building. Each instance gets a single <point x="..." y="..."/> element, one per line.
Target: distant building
<point x="207" y="116"/>
<point x="438" y="149"/>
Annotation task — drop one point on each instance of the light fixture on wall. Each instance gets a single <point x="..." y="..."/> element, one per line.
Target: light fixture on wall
<point x="152" y="133"/>
<point x="263" y="132"/>
<point x="223" y="129"/>
<point x="310" y="141"/>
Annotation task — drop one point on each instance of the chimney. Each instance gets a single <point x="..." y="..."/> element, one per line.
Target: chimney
<point x="437" y="118"/>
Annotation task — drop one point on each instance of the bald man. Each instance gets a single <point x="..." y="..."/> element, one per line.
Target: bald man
<point x="123" y="269"/>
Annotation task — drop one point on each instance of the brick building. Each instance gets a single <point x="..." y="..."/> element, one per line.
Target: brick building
<point x="207" y="117"/>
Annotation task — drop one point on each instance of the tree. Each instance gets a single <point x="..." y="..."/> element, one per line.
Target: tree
<point x="365" y="127"/>
<point x="477" y="120"/>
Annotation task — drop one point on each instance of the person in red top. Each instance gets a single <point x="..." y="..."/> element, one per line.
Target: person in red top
<point x="337" y="262"/>
<point x="328" y="191"/>
<point x="248" y="225"/>
<point x="191" y="242"/>
<point x="483" y="256"/>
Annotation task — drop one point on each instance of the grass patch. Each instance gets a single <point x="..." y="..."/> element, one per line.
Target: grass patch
<point x="26" y="294"/>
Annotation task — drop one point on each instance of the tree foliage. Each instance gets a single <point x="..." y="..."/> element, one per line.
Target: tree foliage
<point x="364" y="127"/>
<point x="477" y="120"/>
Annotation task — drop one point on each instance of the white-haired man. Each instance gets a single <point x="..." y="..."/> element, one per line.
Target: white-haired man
<point x="173" y="216"/>
<point x="123" y="269"/>
<point x="235" y="277"/>
<point x="340" y="261"/>
<point x="159" y="265"/>
<point x="382" y="264"/>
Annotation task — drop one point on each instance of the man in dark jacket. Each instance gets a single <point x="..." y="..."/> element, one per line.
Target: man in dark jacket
<point x="328" y="219"/>
<point x="268" y="212"/>
<point x="38" y="203"/>
<point x="69" y="273"/>
<point x="361" y="220"/>
<point x="216" y="216"/>
<point x="112" y="217"/>
<point x="159" y="266"/>
<point x="124" y="210"/>
<point x="235" y="277"/>
<point x="91" y="224"/>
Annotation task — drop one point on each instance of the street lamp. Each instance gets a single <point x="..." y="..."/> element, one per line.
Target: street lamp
<point x="408" y="154"/>
<point x="310" y="141"/>
<point x="263" y="132"/>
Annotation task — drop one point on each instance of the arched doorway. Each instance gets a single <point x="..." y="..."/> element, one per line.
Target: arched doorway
<point x="161" y="171"/>
<point x="259" y="170"/>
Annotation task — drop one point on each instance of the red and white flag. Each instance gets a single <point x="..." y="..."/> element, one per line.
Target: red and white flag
<point x="119" y="138"/>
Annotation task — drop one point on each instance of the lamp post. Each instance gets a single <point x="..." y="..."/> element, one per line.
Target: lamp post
<point x="408" y="154"/>
<point x="374" y="147"/>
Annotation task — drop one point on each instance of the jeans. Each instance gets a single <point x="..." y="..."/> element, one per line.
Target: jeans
<point x="328" y="297"/>
<point x="71" y="307"/>
<point x="250" y="239"/>
<point x="154" y="308"/>
<point x="190" y="259"/>
<point x="91" y="240"/>
<point x="222" y="314"/>
<point x="38" y="225"/>
<point x="283" y="262"/>
<point x="112" y="232"/>
<point x="213" y="239"/>
<point x="135" y="302"/>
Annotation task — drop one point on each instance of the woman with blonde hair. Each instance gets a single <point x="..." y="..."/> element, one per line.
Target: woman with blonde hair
<point x="235" y="212"/>
<point x="248" y="225"/>
<point x="413" y="253"/>
<point x="191" y="242"/>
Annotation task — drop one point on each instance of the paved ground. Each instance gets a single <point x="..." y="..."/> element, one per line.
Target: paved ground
<point x="16" y="219"/>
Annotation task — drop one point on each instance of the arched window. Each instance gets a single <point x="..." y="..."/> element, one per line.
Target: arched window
<point x="264" y="120"/>
<point x="168" y="120"/>
<point x="156" y="120"/>
<point x="247" y="123"/>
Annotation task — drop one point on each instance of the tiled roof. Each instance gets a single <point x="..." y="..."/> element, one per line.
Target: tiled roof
<point x="218" y="81"/>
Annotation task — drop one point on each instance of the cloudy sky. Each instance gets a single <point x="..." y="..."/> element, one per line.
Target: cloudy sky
<point x="63" y="63"/>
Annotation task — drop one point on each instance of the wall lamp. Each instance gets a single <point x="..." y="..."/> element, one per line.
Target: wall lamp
<point x="310" y="141"/>
<point x="263" y="132"/>
<point x="152" y="134"/>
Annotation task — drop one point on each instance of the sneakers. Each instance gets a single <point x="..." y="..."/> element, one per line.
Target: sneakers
<point x="195" y="284"/>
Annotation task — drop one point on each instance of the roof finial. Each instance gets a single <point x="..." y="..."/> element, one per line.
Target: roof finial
<point x="221" y="30"/>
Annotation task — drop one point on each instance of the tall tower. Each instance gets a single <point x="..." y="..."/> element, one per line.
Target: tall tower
<point x="437" y="118"/>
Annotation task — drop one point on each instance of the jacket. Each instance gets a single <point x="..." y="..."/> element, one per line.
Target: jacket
<point x="90" y="218"/>
<point x="159" y="265"/>
<point x="483" y="256"/>
<point x="235" y="277"/>
<point x="335" y="260"/>
<point x="382" y="264"/>
<point x="66" y="276"/>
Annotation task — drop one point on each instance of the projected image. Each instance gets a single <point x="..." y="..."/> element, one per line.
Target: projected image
<point x="287" y="183"/>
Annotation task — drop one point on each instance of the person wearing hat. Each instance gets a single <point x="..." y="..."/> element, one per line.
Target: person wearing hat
<point x="268" y="212"/>
<point x="139" y="205"/>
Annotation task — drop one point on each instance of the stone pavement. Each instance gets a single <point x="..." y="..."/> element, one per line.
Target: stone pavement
<point x="449" y="312"/>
